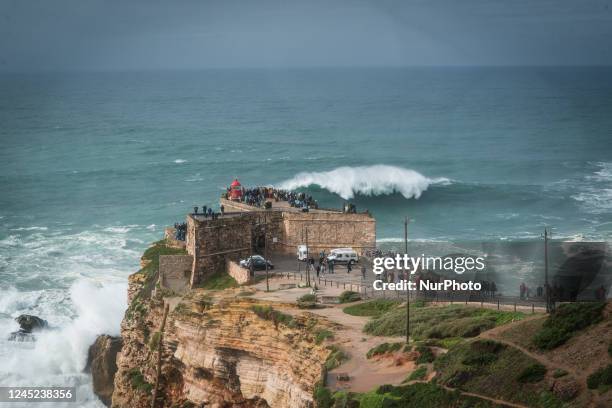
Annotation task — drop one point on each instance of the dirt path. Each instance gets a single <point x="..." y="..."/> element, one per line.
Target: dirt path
<point x="580" y="376"/>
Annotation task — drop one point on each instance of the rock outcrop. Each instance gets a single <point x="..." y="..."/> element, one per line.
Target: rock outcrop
<point x="28" y="324"/>
<point x="102" y="364"/>
<point x="218" y="352"/>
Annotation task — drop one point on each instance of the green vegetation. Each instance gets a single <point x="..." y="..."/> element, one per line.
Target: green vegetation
<point x="154" y="342"/>
<point x="268" y="313"/>
<point x="490" y="368"/>
<point x="219" y="281"/>
<point x="335" y="358"/>
<point x="558" y="373"/>
<point x="349" y="296"/>
<point x="308" y="301"/>
<point x="418" y="374"/>
<point x="601" y="379"/>
<point x="323" y="396"/>
<point x="422" y="395"/>
<point x="565" y="322"/>
<point x="138" y="381"/>
<point x="384" y="348"/>
<point x="323" y="335"/>
<point x="532" y="373"/>
<point x="610" y="349"/>
<point x="439" y="322"/>
<point x="152" y="255"/>
<point x="425" y="355"/>
<point x="148" y="274"/>
<point x="373" y="308"/>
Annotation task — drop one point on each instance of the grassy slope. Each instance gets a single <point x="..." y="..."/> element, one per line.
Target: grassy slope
<point x="439" y="322"/>
<point x="490" y="368"/>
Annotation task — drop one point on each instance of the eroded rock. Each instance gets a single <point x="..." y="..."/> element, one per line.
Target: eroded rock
<point x="102" y="363"/>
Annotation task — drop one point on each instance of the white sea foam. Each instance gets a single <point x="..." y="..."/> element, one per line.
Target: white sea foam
<point x="367" y="180"/>
<point x="180" y="161"/>
<point x="76" y="281"/>
<point x="595" y="192"/>
<point x="59" y="354"/>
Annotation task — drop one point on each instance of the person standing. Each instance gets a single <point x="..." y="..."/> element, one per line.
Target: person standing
<point x="363" y="272"/>
<point x="349" y="267"/>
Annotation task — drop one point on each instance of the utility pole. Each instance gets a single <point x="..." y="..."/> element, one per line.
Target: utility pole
<point x="407" y="281"/>
<point x="549" y="306"/>
<point x="307" y="259"/>
<point x="266" y="254"/>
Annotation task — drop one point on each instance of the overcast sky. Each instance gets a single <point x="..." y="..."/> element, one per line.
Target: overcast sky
<point x="154" y="34"/>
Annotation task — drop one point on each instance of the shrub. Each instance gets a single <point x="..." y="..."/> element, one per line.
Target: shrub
<point x="138" y="381"/>
<point x="418" y="374"/>
<point x="558" y="373"/>
<point x="568" y="319"/>
<point x="373" y="308"/>
<point x="323" y="396"/>
<point x="425" y="355"/>
<point x="601" y="378"/>
<point x="268" y="313"/>
<point x="308" y="301"/>
<point x="532" y="374"/>
<point x="349" y="296"/>
<point x="610" y="349"/>
<point x="154" y="342"/>
<point x="383" y="348"/>
<point x="335" y="358"/>
<point x="322" y="335"/>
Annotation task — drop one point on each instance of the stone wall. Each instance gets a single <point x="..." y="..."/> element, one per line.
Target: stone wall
<point x="230" y="206"/>
<point x="328" y="230"/>
<point x="213" y="242"/>
<point x="175" y="272"/>
<point x="242" y="275"/>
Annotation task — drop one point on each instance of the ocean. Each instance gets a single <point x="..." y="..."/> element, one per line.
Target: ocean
<point x="93" y="166"/>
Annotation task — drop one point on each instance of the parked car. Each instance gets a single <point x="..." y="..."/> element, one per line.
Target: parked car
<point x="343" y="256"/>
<point x="302" y="252"/>
<point x="257" y="261"/>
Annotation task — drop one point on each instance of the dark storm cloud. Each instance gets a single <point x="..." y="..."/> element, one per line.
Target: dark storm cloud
<point x="137" y="34"/>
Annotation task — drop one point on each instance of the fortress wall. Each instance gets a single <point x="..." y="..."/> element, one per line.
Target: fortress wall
<point x="325" y="231"/>
<point x="175" y="271"/>
<point x="215" y="242"/>
<point x="235" y="206"/>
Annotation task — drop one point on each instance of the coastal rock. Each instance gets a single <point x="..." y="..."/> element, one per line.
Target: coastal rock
<point x="102" y="363"/>
<point x="27" y="324"/>
<point x="219" y="355"/>
<point x="30" y="323"/>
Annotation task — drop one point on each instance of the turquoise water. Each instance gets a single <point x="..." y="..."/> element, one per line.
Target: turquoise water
<point x="93" y="166"/>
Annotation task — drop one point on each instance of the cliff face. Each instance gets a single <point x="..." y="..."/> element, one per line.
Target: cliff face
<point x="217" y="351"/>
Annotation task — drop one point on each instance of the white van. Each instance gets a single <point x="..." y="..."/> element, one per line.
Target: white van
<point x="302" y="252"/>
<point x="343" y="256"/>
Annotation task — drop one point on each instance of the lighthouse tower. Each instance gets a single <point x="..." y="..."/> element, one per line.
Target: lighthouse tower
<point x="235" y="191"/>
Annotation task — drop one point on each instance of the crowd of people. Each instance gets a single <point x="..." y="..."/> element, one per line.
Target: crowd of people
<point x="180" y="230"/>
<point x="258" y="196"/>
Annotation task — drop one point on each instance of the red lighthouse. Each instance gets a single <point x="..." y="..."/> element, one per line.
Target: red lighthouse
<point x="235" y="191"/>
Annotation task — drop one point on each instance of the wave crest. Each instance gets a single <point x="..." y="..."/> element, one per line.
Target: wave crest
<point x="367" y="180"/>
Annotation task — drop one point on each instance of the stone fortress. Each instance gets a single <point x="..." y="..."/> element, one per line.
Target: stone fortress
<point x="216" y="244"/>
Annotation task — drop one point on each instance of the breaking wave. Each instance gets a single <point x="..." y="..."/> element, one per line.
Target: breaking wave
<point x="366" y="180"/>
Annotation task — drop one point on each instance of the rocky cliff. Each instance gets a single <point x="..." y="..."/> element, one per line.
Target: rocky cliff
<point x="219" y="349"/>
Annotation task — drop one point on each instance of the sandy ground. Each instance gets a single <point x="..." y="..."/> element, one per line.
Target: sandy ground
<point x="364" y="373"/>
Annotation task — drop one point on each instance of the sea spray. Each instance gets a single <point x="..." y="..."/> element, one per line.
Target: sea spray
<point x="366" y="180"/>
<point x="58" y="355"/>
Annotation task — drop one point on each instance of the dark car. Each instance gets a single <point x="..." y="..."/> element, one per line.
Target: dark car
<point x="257" y="261"/>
